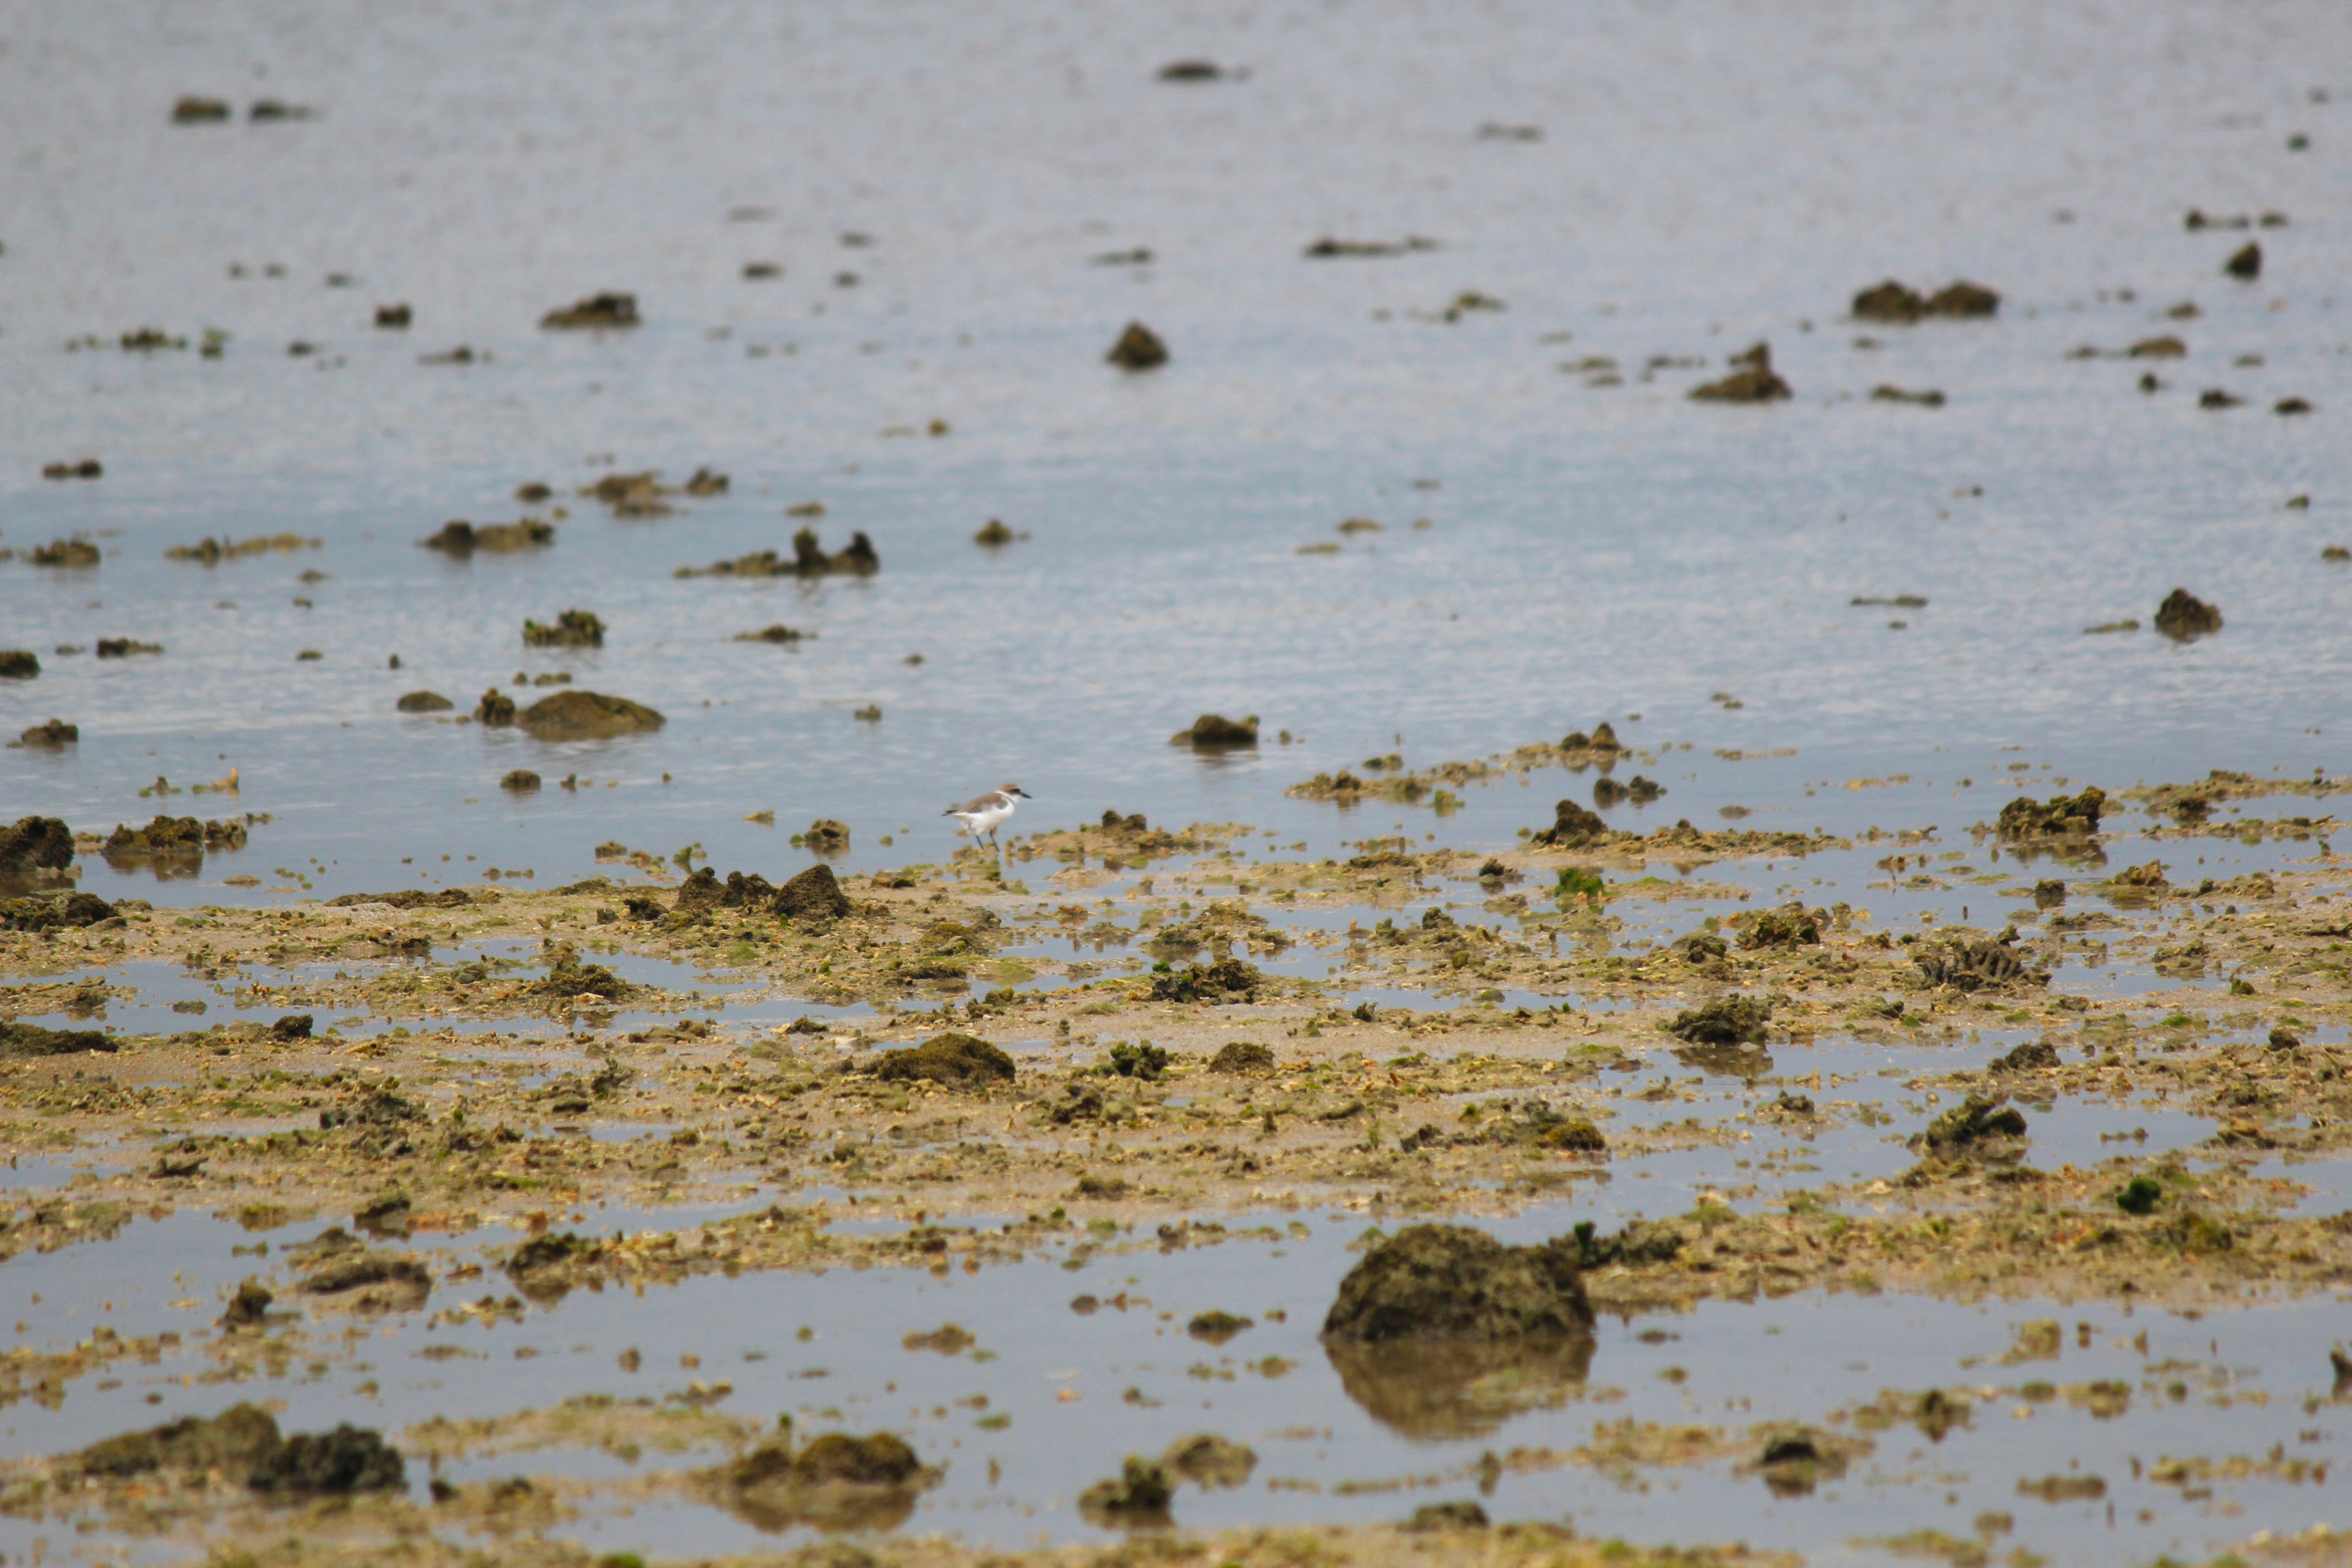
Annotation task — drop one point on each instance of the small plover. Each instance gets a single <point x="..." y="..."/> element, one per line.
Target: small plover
<point x="984" y="813"/>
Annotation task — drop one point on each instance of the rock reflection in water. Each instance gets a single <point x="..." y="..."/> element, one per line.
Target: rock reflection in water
<point x="1742" y="1061"/>
<point x="1455" y="1389"/>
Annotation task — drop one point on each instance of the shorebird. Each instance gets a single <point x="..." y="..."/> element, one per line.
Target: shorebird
<point x="986" y="813"/>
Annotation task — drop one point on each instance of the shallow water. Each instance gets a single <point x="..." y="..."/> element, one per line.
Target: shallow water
<point x="1592" y="552"/>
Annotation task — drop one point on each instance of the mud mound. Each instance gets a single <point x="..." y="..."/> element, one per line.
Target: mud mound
<point x="1436" y="1282"/>
<point x="583" y="715"/>
<point x="954" y="1057"/>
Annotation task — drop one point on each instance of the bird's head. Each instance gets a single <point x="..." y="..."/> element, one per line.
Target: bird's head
<point x="1016" y="792"/>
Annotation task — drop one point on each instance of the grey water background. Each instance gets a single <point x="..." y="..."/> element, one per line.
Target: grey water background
<point x="1706" y="175"/>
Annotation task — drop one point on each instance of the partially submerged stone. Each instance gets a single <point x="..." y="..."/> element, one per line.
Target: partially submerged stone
<point x="1209" y="1461"/>
<point x="1970" y="1125"/>
<point x="2184" y="616"/>
<point x="1752" y="380"/>
<point x="575" y="715"/>
<point x="572" y="629"/>
<point x="1435" y="1282"/>
<point x="1139" y="348"/>
<point x="1138" y="1495"/>
<point x="597" y="311"/>
<point x="423" y="703"/>
<point x="462" y="538"/>
<point x="53" y="911"/>
<point x="2062" y="816"/>
<point x="1572" y="827"/>
<point x="1727" y="1020"/>
<point x="1212" y="731"/>
<point x="836" y="1482"/>
<point x="32" y="846"/>
<point x="954" y="1057"/>
<point x="1227" y="979"/>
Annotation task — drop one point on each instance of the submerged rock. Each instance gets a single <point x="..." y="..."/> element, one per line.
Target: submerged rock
<point x="18" y="664"/>
<point x="1139" y="348"/>
<point x="2183" y="615"/>
<point x="596" y="312"/>
<point x="77" y="553"/>
<point x="520" y="780"/>
<point x="577" y="715"/>
<point x="838" y="1482"/>
<point x="423" y="702"/>
<point x="1442" y="1282"/>
<point x="1211" y="731"/>
<point x="954" y="1057"/>
<point x="808" y="559"/>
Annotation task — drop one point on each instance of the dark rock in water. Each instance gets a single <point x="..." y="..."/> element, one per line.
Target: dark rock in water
<point x="1139" y="348"/>
<point x="174" y="842"/>
<point x="2049" y="894"/>
<point x="1790" y="925"/>
<point x="1329" y="249"/>
<point x="1226" y="981"/>
<point x="814" y="895"/>
<point x="779" y="633"/>
<point x="1890" y="301"/>
<point x="954" y="1058"/>
<point x="2292" y="406"/>
<point x="1440" y="1282"/>
<point x="2060" y="815"/>
<point x="1241" y="1055"/>
<point x="1139" y="1494"/>
<point x="1608" y="792"/>
<point x="2245" y="264"/>
<point x="2284" y="1039"/>
<point x="236" y="1442"/>
<point x="331" y="1464"/>
<point x="2158" y="348"/>
<point x="394" y="317"/>
<point x="859" y="559"/>
<point x="374" y="1282"/>
<point x="596" y="312"/>
<point x="1726" y="1021"/>
<point x="496" y="709"/>
<point x="1962" y="301"/>
<point x="993" y="534"/>
<point x="34" y="845"/>
<point x="53" y="911"/>
<point x="462" y="538"/>
<point x="1431" y="1517"/>
<point x="292" y="1027"/>
<point x="1209" y="1461"/>
<point x="1191" y="70"/>
<point x="747" y="892"/>
<point x="249" y="1307"/>
<point x="698" y="894"/>
<point x="33" y="1040"/>
<point x="2216" y="397"/>
<point x="2031" y="1057"/>
<point x="1754" y="382"/>
<point x="838" y="1482"/>
<point x="1971" y="1124"/>
<point x="581" y="715"/>
<point x="1212" y="730"/>
<point x="826" y="836"/>
<point x="18" y="664"/>
<point x="2183" y="615"/>
<point x="271" y="111"/>
<point x="573" y="628"/>
<point x="199" y="112"/>
<point x="124" y="647"/>
<point x="1966" y="963"/>
<point x="1572" y="827"/>
<point x="706" y="481"/>
<point x="423" y="702"/>
<point x="1931" y="398"/>
<point x="77" y="552"/>
<point x="522" y="781"/>
<point x="86" y="468"/>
